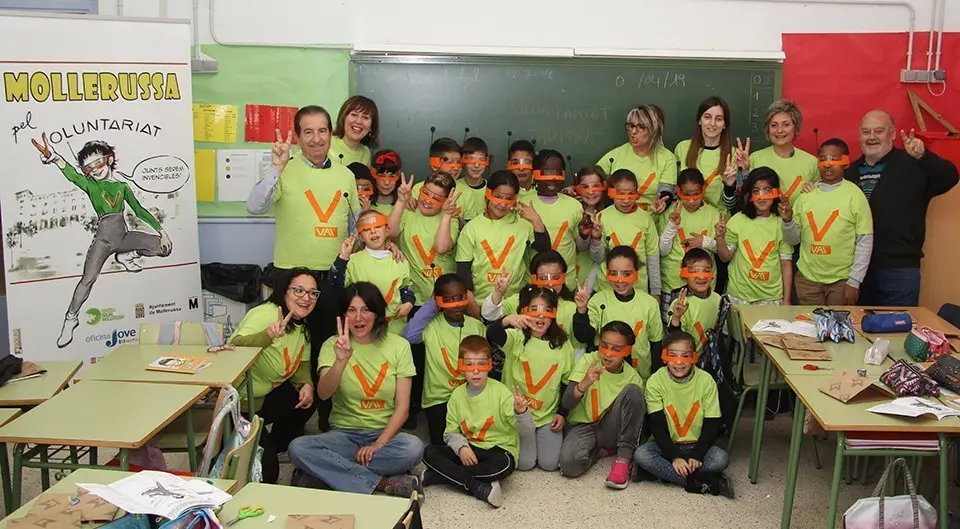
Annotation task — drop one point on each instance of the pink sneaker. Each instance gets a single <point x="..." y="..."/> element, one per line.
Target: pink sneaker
<point x="619" y="476"/>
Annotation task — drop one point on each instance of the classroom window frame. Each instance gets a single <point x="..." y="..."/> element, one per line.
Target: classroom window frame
<point x="75" y="7"/>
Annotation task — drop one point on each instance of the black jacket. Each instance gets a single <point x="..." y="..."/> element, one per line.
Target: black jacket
<point x="899" y="204"/>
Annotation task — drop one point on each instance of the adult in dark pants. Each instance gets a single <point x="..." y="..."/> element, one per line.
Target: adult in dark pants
<point x="899" y="184"/>
<point x="282" y="387"/>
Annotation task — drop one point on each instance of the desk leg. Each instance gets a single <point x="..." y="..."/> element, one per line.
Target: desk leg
<point x="835" y="486"/>
<point x="943" y="512"/>
<point x="5" y="475"/>
<point x="17" y="481"/>
<point x="793" y="462"/>
<point x="45" y="471"/>
<point x="191" y="445"/>
<point x="758" y="423"/>
<point x="93" y="456"/>
<point x="124" y="460"/>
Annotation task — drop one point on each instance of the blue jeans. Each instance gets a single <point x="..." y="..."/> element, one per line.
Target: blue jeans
<point x="891" y="287"/>
<point x="650" y="458"/>
<point x="330" y="457"/>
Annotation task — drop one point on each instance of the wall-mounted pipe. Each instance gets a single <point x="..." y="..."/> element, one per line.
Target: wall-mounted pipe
<point x="943" y="16"/>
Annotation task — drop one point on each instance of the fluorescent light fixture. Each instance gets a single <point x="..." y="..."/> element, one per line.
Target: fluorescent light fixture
<point x="416" y="49"/>
<point x="681" y="54"/>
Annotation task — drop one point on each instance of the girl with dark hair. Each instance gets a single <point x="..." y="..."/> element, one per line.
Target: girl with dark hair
<point x="752" y="241"/>
<point x="367" y="372"/>
<point x="281" y="373"/>
<point x="710" y="148"/>
<point x="562" y="215"/>
<point x="590" y="188"/>
<point x="386" y="170"/>
<point x="356" y="132"/>
<point x="538" y="359"/>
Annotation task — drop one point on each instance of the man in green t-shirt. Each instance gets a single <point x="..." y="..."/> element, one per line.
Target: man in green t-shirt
<point x="108" y="196"/>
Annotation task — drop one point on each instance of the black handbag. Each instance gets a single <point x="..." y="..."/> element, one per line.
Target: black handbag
<point x="946" y="371"/>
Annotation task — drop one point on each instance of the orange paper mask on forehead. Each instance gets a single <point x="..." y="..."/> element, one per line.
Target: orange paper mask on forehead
<point x="365" y="192"/>
<point x="452" y="304"/>
<point x="844" y="160"/>
<point x="540" y="311"/>
<point x="438" y="164"/>
<point x="668" y="356"/>
<point x="383" y="177"/>
<point x="585" y="189"/>
<point x="523" y="164"/>
<point x="681" y="196"/>
<point x="770" y="195"/>
<point x="616" y="195"/>
<point x="622" y="353"/>
<point x="503" y="201"/>
<point x="685" y="273"/>
<point x="475" y="160"/>
<point x="538" y="175"/>
<point x="430" y="199"/>
<point x="548" y="280"/>
<point x="370" y="222"/>
<point x="483" y="368"/>
<point x="613" y="278"/>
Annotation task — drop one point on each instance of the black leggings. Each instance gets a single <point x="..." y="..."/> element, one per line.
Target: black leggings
<point x="436" y="422"/>
<point x="493" y="464"/>
<point x="278" y="409"/>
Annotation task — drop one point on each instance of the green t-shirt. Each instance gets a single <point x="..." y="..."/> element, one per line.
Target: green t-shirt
<point x="109" y="196"/>
<point x="755" y="273"/>
<point x="472" y="201"/>
<point x="584" y="264"/>
<point x="641" y="313"/>
<point x="686" y="404"/>
<point x="338" y="148"/>
<point x="486" y="420"/>
<point x="538" y="371"/>
<point x="565" y="311"/>
<point x="793" y="171"/>
<point x="700" y="317"/>
<point x="702" y="222"/>
<point x="311" y="214"/>
<point x="416" y="240"/>
<point x="830" y="222"/>
<point x="494" y="247"/>
<point x="708" y="161"/>
<point x="601" y="394"/>
<point x="651" y="171"/>
<point x="525" y="195"/>
<point x="562" y="220"/>
<point x="442" y="343"/>
<point x="636" y="230"/>
<point x="383" y="208"/>
<point x="387" y="274"/>
<point x="366" y="397"/>
<point x="276" y="362"/>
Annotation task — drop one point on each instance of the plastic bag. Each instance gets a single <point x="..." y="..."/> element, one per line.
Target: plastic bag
<point x="239" y="282"/>
<point x="908" y="511"/>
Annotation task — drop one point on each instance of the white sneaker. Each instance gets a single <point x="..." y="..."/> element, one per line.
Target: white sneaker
<point x="496" y="495"/>
<point x="126" y="260"/>
<point x="70" y="323"/>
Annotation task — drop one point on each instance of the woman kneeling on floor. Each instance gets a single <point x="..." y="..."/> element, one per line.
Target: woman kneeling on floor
<point x="368" y="374"/>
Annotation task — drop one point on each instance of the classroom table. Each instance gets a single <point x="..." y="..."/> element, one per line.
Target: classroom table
<point x="68" y="485"/>
<point x="835" y="416"/>
<point x="369" y="511"/>
<point x="128" y="363"/>
<point x="6" y="415"/>
<point x="119" y="415"/>
<point x="33" y="391"/>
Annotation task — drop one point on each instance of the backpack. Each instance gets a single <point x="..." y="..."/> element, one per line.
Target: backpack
<point x="713" y="359"/>
<point x="228" y="431"/>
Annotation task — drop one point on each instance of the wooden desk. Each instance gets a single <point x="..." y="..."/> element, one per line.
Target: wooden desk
<point x="68" y="485"/>
<point x="120" y="415"/>
<point x="36" y="390"/>
<point x="128" y="363"/>
<point x="6" y="415"/>
<point x="841" y="418"/>
<point x="369" y="511"/>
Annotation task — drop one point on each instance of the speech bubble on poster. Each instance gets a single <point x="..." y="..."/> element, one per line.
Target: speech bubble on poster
<point x="160" y="174"/>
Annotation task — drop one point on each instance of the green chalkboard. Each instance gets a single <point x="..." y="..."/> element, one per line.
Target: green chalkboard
<point x="576" y="106"/>
<point x="267" y="76"/>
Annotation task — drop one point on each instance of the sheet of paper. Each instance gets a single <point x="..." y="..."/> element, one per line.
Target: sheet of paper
<point x="803" y="328"/>
<point x="327" y="521"/>
<point x="238" y="171"/>
<point x="160" y="493"/>
<point x="771" y="326"/>
<point x="262" y="122"/>
<point x="215" y="123"/>
<point x="206" y="167"/>
<point x="915" y="407"/>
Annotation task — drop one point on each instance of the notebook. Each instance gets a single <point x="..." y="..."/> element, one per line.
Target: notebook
<point x="190" y="365"/>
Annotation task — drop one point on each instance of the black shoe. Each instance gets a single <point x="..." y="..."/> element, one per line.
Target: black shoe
<point x="725" y="486"/>
<point x="640" y="475"/>
<point x="490" y="493"/>
<point x="709" y="483"/>
<point x="306" y="481"/>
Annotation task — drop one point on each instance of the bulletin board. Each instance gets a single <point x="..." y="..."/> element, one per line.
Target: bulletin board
<point x="248" y="75"/>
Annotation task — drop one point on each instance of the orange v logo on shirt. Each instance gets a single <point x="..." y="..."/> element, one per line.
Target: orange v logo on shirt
<point x="637" y="328"/>
<point x="116" y="199"/>
<point x="497" y="262"/>
<point x="713" y="176"/>
<point x="703" y="336"/>
<point x="323" y="215"/>
<point x="532" y="388"/>
<point x="451" y="367"/>
<point x="389" y="296"/>
<point x="793" y="187"/>
<point x="756" y="261"/>
<point x="819" y="233"/>
<point x="595" y="404"/>
<point x="685" y="427"/>
<point x="636" y="240"/>
<point x="479" y="436"/>
<point x="683" y="237"/>
<point x="428" y="258"/>
<point x="368" y="390"/>
<point x="289" y="366"/>
<point x="646" y="183"/>
<point x="560" y="234"/>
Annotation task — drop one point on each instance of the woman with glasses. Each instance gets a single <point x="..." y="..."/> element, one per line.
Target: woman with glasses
<point x="282" y="390"/>
<point x="645" y="156"/>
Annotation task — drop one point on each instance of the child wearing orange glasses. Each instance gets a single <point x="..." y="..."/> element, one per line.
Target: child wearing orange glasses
<point x="444" y="157"/>
<point x="606" y="403"/>
<point x="495" y="244"/>
<point x="684" y="419"/>
<point x="376" y="265"/>
<point x="386" y="170"/>
<point x="590" y="188"/>
<point x="520" y="162"/>
<point x="624" y="302"/>
<point x="691" y="224"/>
<point x="475" y="160"/>
<point x="366" y="185"/>
<point x="441" y="324"/>
<point x="483" y="426"/>
<point x="562" y="215"/>
<point x="697" y="307"/>
<point x="538" y="359"/>
<point x="834" y="227"/>
<point x="626" y="224"/>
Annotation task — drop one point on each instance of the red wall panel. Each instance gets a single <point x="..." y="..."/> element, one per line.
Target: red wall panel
<point x="836" y="78"/>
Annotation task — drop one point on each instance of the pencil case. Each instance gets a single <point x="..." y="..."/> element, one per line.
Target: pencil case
<point x="881" y="323"/>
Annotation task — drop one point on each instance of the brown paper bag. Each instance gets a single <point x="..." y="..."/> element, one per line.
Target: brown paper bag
<point x="797" y="347"/>
<point x="319" y="521"/>
<point x="47" y="519"/>
<point x="93" y="508"/>
<point x="848" y="387"/>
